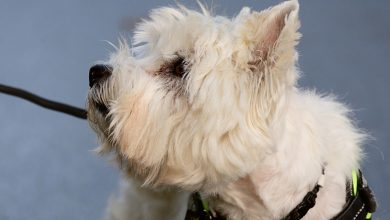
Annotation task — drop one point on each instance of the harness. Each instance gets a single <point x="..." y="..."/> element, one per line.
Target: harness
<point x="198" y="209"/>
<point x="360" y="203"/>
<point x="360" y="199"/>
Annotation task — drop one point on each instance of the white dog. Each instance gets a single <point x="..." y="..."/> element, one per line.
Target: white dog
<point x="211" y="104"/>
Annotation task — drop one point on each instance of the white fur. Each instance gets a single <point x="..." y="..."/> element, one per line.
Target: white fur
<point x="235" y="127"/>
<point x="135" y="202"/>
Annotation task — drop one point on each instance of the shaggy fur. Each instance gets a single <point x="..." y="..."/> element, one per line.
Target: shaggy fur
<point x="211" y="104"/>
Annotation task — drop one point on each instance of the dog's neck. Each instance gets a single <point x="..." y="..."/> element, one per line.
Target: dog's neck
<point x="303" y="143"/>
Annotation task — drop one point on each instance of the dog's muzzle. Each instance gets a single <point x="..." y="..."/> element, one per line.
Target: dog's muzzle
<point x="99" y="73"/>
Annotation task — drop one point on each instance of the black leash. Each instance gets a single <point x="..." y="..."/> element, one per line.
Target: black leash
<point x="56" y="106"/>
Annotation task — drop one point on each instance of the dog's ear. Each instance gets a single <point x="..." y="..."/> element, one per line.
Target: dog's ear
<point x="270" y="36"/>
<point x="266" y="43"/>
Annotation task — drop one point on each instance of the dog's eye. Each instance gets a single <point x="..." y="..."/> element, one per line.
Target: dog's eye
<point x="177" y="67"/>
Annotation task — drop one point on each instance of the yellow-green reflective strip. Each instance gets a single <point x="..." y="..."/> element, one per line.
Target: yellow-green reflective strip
<point x="205" y="205"/>
<point x="369" y="215"/>
<point x="354" y="182"/>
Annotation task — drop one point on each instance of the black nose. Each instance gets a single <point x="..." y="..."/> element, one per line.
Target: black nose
<point x="98" y="73"/>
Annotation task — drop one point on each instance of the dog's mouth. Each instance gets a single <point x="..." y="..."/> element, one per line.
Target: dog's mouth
<point x="98" y="117"/>
<point x="102" y="108"/>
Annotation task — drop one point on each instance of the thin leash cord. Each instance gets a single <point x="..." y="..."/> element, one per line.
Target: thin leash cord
<point x="53" y="105"/>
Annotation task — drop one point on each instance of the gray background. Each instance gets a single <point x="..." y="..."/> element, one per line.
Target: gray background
<point x="47" y="169"/>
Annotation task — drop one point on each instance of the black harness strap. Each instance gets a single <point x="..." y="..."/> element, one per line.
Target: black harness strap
<point x="358" y="206"/>
<point x="198" y="211"/>
<point x="307" y="203"/>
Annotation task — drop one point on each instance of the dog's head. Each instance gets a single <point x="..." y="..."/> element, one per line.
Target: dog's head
<point x="192" y="101"/>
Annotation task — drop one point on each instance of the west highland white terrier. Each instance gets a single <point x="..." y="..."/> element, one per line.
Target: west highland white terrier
<point x="211" y="104"/>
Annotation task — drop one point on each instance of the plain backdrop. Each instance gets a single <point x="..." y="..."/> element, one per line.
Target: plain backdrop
<point x="47" y="168"/>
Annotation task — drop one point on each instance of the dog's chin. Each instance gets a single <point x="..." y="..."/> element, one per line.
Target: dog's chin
<point x="99" y="118"/>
